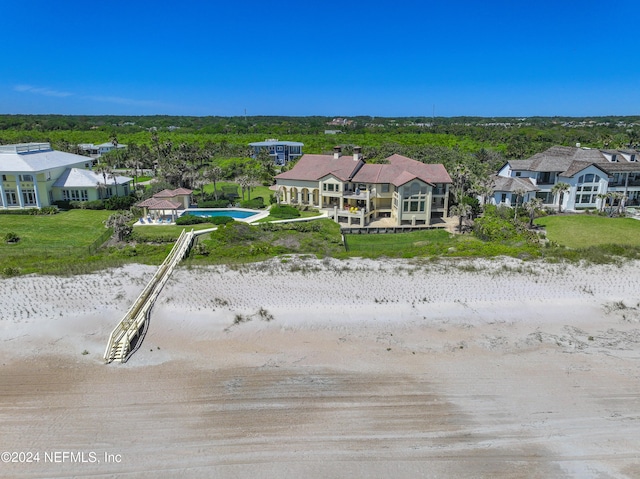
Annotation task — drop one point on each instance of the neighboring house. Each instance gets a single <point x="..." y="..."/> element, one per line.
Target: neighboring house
<point x="507" y="190"/>
<point x="96" y="151"/>
<point x="282" y="152"/>
<point x="407" y="191"/>
<point x="33" y="175"/>
<point x="588" y="172"/>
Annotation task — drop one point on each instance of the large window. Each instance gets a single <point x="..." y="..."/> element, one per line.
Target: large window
<point x="12" y="197"/>
<point x="545" y="196"/>
<point x="29" y="197"/>
<point x="75" y="195"/>
<point x="414" y="197"/>
<point x="546" y="177"/>
<point x="587" y="190"/>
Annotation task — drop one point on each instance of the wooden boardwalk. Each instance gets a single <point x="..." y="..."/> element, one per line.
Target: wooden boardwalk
<point x="132" y="327"/>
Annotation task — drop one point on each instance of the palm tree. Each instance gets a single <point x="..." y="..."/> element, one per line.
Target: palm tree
<point x="199" y="181"/>
<point x="484" y="188"/>
<point x="132" y="164"/>
<point x="603" y="200"/>
<point x="519" y="193"/>
<point x="114" y="140"/>
<point x="462" y="211"/>
<point x="245" y="184"/>
<point x="533" y="205"/>
<point x="616" y="196"/>
<point x="114" y="177"/>
<point x="560" y="189"/>
<point x="104" y="170"/>
<point x="100" y="188"/>
<point x="214" y="174"/>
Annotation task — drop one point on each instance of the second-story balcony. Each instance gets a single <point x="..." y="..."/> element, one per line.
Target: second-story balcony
<point x="356" y="195"/>
<point x="621" y="183"/>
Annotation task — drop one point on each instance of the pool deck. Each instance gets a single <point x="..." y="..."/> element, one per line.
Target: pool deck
<point x="165" y="220"/>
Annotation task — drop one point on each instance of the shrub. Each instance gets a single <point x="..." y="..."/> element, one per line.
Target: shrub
<point x="63" y="204"/>
<point x="49" y="210"/>
<point x="10" y="271"/>
<point x="196" y="220"/>
<point x="220" y="220"/>
<point x="284" y="212"/>
<point x="213" y="204"/>
<point x="255" y="203"/>
<point x="28" y="211"/>
<point x="494" y="228"/>
<point x="116" y="203"/>
<point x="94" y="205"/>
<point x="45" y="210"/>
<point x="11" y="237"/>
<point x="190" y="220"/>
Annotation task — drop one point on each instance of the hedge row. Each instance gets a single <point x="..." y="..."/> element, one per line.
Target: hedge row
<point x="195" y="220"/>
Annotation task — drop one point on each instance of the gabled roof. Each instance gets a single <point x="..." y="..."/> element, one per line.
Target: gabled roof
<point x="510" y="184"/>
<point x="427" y="172"/>
<point x="578" y="166"/>
<point x="79" y="178"/>
<point x="398" y="170"/>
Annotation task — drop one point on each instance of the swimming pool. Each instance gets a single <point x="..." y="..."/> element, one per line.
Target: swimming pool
<point x="232" y="212"/>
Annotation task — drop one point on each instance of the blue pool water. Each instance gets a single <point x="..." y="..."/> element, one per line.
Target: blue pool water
<point x="226" y="212"/>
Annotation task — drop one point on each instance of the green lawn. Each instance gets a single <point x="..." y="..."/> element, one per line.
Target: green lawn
<point x="256" y="191"/>
<point x="165" y="233"/>
<point x="61" y="238"/>
<point x="584" y="231"/>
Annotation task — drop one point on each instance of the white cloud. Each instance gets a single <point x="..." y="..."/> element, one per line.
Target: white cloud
<point x="42" y="91"/>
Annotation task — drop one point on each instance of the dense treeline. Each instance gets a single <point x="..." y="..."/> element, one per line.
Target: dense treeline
<point x="513" y="137"/>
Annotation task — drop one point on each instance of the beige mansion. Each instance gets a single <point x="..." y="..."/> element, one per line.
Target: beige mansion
<point x="355" y="192"/>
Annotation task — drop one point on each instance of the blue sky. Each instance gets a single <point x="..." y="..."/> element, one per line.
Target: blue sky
<point x="330" y="58"/>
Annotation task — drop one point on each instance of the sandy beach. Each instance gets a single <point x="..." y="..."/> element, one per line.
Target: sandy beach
<point x="307" y="368"/>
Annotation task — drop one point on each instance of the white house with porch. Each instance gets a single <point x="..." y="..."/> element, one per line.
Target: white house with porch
<point x="406" y="191"/>
<point x="33" y="175"/>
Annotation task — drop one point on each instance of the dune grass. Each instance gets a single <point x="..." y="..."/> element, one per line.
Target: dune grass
<point x="60" y="244"/>
<point x="432" y="243"/>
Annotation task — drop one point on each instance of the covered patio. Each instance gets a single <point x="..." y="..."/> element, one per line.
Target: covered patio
<point x="159" y="211"/>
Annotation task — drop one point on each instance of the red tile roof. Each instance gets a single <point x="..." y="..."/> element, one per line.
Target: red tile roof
<point x="398" y="171"/>
<point x="171" y="193"/>
<point x="159" y="204"/>
<point x="314" y="167"/>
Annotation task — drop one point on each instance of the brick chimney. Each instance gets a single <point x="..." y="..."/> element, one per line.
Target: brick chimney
<point x="337" y="152"/>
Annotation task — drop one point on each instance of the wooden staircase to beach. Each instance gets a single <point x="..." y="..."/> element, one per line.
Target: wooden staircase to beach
<point x="132" y="327"/>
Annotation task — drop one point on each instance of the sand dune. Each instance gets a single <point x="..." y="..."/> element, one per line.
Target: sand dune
<point x="299" y="367"/>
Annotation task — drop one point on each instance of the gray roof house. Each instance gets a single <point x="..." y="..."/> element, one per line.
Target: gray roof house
<point x="588" y="172"/>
